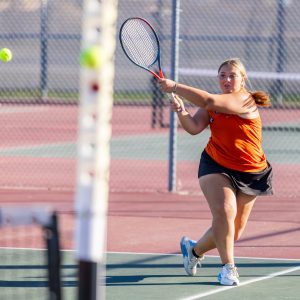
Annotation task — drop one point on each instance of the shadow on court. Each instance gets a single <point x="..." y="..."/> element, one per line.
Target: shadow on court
<point x="147" y="276"/>
<point x="156" y="276"/>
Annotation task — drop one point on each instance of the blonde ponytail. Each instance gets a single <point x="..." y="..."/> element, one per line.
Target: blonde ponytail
<point x="261" y="98"/>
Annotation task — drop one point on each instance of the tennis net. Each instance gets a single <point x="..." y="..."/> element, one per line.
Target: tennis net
<point x="29" y="254"/>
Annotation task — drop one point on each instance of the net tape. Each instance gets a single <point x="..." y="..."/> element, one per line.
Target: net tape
<point x="16" y="216"/>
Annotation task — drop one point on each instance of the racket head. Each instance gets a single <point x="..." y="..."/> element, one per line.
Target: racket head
<point x="140" y="44"/>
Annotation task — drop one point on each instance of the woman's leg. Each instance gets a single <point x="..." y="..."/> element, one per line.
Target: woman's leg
<point x="221" y="198"/>
<point x="245" y="204"/>
<point x="244" y="207"/>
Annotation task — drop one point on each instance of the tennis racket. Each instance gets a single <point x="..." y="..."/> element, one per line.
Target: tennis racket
<point x="140" y="44"/>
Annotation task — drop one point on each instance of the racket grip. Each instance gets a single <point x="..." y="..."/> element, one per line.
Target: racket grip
<point x="155" y="75"/>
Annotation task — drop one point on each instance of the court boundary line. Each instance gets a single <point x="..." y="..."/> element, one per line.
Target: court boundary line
<point x="219" y="290"/>
<point x="179" y="254"/>
<point x="22" y="248"/>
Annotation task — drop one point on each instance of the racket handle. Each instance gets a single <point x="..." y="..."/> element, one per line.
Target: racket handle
<point x="156" y="75"/>
<point x="161" y="75"/>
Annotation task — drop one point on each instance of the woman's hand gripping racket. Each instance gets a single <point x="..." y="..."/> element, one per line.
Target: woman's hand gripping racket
<point x="140" y="43"/>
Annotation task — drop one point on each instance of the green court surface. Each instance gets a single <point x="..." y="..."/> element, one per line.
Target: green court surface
<point x="24" y="275"/>
<point x="280" y="147"/>
<point x="151" y="276"/>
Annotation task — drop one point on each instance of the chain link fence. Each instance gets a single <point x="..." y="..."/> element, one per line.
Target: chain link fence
<point x="39" y="89"/>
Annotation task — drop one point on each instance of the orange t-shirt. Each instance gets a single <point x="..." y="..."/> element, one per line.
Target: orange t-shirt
<point x="235" y="143"/>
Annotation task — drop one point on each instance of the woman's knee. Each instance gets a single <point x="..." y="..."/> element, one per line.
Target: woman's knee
<point x="221" y="198"/>
<point x="224" y="210"/>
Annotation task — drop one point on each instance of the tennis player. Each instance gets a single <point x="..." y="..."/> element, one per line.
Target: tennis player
<point x="233" y="168"/>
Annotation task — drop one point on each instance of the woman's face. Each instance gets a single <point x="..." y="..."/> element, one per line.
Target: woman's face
<point x="230" y="79"/>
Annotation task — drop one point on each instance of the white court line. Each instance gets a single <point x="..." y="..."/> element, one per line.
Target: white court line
<point x="222" y="289"/>
<point x="179" y="254"/>
<point x="21" y="248"/>
<point x="23" y="109"/>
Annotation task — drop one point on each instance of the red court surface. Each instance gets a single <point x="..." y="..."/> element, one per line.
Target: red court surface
<point x="154" y="222"/>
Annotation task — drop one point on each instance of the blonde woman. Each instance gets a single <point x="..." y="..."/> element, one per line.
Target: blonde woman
<point x="233" y="168"/>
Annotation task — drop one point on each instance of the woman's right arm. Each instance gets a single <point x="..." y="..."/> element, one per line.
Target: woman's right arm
<point x="191" y="124"/>
<point x="230" y="103"/>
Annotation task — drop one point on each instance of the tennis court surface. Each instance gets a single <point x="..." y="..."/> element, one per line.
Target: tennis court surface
<point x="267" y="255"/>
<point x="155" y="276"/>
<point x="143" y="217"/>
<point x="41" y="101"/>
<point x="143" y="259"/>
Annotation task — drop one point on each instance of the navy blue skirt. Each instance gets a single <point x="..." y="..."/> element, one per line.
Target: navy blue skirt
<point x="254" y="184"/>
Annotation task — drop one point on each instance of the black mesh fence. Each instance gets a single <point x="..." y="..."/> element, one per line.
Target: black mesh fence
<point x="39" y="89"/>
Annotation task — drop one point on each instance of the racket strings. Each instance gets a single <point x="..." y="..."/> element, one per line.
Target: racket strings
<point x="140" y="43"/>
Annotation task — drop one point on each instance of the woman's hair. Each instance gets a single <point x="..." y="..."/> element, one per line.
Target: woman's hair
<point x="261" y="98"/>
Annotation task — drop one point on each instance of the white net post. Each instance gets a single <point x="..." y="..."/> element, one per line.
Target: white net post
<point x="98" y="29"/>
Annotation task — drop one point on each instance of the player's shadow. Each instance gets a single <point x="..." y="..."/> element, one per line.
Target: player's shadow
<point x="132" y="277"/>
<point x="152" y="280"/>
<point x="23" y="284"/>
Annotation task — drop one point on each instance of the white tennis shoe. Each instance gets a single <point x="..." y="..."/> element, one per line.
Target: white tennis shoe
<point x="228" y="275"/>
<point x="190" y="262"/>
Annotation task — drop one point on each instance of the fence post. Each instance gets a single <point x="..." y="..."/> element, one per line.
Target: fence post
<point x="44" y="51"/>
<point x="281" y="51"/>
<point x="174" y="76"/>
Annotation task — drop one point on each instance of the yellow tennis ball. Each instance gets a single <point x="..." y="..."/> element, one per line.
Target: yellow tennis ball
<point x="91" y="57"/>
<point x="5" y="55"/>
